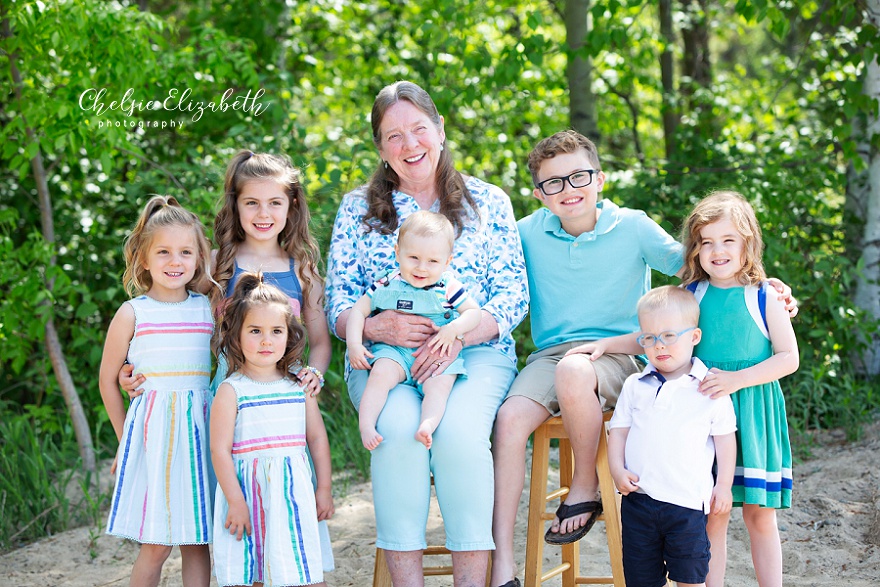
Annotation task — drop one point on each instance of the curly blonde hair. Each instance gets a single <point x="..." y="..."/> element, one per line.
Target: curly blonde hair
<point x="295" y="239"/>
<point x="718" y="206"/>
<point x="162" y="212"/>
<point x="252" y="292"/>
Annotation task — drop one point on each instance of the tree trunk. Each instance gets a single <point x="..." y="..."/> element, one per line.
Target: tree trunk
<point x="582" y="103"/>
<point x="667" y="75"/>
<point x="53" y="345"/>
<point x="697" y="63"/>
<point x="868" y="287"/>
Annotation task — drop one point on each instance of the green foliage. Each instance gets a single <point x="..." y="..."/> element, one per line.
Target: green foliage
<point x="38" y="483"/>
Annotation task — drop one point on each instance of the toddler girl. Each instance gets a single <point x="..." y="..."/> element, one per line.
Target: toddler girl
<point x="749" y="342"/>
<point x="266" y="515"/>
<point x="161" y="496"/>
<point x="422" y="286"/>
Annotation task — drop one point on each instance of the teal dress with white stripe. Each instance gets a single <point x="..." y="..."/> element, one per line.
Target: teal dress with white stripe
<point x="732" y="340"/>
<point x="269" y="454"/>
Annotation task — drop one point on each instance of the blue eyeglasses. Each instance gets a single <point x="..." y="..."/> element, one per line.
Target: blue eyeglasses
<point x="667" y="338"/>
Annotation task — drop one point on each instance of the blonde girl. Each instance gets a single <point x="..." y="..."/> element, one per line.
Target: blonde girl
<point x="266" y="515"/>
<point x="263" y="225"/>
<point x="161" y="497"/>
<point x="749" y="344"/>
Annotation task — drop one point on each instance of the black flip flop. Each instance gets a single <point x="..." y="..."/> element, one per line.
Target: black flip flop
<point x="594" y="508"/>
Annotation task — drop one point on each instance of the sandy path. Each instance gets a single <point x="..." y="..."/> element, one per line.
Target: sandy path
<point x="831" y="536"/>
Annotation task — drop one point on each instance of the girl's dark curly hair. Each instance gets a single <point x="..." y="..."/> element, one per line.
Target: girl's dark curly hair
<point x="251" y="292"/>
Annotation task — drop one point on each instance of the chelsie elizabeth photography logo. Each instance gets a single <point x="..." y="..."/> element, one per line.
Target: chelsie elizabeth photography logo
<point x="103" y="105"/>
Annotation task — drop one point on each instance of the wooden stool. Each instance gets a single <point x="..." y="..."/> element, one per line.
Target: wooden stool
<point x="538" y="498"/>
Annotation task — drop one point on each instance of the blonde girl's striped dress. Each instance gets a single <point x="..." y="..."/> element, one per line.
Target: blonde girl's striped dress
<point x="162" y="494"/>
<point x="268" y="451"/>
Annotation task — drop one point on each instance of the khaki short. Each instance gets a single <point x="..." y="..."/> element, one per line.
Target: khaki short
<point x="536" y="380"/>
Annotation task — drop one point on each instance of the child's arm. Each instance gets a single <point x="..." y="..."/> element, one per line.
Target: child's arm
<point x="626" y="481"/>
<point x="319" y="339"/>
<point x="119" y="335"/>
<point x="725" y="455"/>
<point x="319" y="448"/>
<point x="624" y="344"/>
<point x="785" y="359"/>
<point x="354" y="334"/>
<point x="223" y="412"/>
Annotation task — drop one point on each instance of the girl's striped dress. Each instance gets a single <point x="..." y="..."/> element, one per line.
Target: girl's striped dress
<point x="162" y="494"/>
<point x="268" y="450"/>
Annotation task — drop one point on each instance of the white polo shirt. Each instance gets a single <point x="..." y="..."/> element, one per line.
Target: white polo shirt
<point x="671" y="425"/>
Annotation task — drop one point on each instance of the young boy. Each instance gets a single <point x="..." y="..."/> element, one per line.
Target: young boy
<point x="588" y="262"/>
<point x="424" y="286"/>
<point x="663" y="439"/>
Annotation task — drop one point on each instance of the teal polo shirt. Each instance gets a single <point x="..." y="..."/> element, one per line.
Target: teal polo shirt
<point x="587" y="287"/>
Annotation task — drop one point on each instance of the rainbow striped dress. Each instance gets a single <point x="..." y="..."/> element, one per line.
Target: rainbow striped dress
<point x="269" y="453"/>
<point x="162" y="494"/>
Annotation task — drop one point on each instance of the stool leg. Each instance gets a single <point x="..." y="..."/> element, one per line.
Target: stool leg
<point x="571" y="553"/>
<point x="537" y="507"/>
<point x="611" y="507"/>
<point x="381" y="576"/>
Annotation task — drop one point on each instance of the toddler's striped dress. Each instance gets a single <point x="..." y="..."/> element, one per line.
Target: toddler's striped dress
<point x="162" y="493"/>
<point x="268" y="451"/>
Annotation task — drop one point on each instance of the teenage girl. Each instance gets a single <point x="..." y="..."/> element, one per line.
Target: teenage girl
<point x="750" y="344"/>
<point x="161" y="496"/>
<point x="267" y="513"/>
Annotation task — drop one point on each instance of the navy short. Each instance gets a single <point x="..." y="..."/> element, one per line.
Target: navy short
<point x="661" y="538"/>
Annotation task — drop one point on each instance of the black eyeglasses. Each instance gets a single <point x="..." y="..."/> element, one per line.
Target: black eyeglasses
<point x="667" y="338"/>
<point x="578" y="179"/>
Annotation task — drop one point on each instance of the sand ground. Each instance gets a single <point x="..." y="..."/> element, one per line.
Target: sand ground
<point x="830" y="536"/>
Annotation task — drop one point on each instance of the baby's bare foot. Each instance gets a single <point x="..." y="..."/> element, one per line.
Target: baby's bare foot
<point x="424" y="434"/>
<point x="370" y="437"/>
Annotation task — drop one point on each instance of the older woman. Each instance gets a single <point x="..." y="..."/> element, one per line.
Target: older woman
<point x="417" y="173"/>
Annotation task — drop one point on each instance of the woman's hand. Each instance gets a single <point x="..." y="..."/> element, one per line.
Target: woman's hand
<point x="719" y="383"/>
<point x="131" y="383"/>
<point x="399" y="329"/>
<point x="432" y="362"/>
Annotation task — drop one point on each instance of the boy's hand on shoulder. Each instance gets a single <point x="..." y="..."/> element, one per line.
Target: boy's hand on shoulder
<point x="626" y="481"/>
<point x="358" y="355"/>
<point x="719" y="383"/>
<point x="722" y="500"/>
<point x="237" y="520"/>
<point x="324" y="504"/>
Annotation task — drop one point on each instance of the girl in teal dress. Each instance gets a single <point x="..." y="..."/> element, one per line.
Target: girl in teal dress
<point x="749" y="343"/>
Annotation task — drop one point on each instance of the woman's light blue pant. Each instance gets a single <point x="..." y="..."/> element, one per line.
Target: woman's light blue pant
<point x="460" y="458"/>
